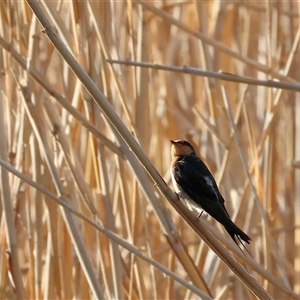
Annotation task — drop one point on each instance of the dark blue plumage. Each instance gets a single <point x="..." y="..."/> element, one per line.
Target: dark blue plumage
<point x="194" y="183"/>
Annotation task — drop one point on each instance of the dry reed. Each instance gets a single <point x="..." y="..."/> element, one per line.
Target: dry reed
<point x="85" y="147"/>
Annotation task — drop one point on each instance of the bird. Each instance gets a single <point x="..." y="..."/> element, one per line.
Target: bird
<point x="195" y="184"/>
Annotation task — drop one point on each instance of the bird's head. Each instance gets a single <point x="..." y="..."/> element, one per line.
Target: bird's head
<point x="180" y="148"/>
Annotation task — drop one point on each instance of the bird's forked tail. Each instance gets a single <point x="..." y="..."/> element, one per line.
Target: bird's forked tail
<point x="236" y="232"/>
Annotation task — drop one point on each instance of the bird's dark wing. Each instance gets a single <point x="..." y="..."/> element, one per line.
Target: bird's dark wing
<point x="196" y="180"/>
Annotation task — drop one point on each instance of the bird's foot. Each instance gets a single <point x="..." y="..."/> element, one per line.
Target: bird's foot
<point x="178" y="197"/>
<point x="199" y="215"/>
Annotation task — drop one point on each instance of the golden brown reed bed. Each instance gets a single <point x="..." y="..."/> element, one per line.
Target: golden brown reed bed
<point x="81" y="218"/>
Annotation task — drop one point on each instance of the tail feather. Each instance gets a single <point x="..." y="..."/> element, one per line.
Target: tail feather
<point x="234" y="231"/>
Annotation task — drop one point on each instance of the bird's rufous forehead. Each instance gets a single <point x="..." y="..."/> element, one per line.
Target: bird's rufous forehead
<point x="176" y="141"/>
<point x="181" y="147"/>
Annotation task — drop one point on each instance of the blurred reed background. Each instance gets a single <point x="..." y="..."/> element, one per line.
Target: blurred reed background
<point x="54" y="133"/>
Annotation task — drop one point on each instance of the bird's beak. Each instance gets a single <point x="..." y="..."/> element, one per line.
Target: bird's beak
<point x="173" y="142"/>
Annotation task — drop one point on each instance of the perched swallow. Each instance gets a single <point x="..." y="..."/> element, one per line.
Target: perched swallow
<point x="195" y="184"/>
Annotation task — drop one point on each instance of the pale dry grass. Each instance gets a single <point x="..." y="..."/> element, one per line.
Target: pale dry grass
<point x="81" y="217"/>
